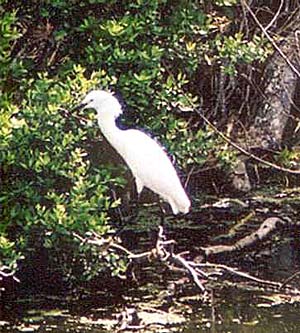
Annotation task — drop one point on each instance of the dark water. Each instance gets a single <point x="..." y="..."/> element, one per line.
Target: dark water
<point x="260" y="321"/>
<point x="230" y="307"/>
<point x="224" y="317"/>
<point x="242" y="314"/>
<point x="228" y="310"/>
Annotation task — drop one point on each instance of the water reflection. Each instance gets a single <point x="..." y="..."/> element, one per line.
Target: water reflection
<point x="230" y="310"/>
<point x="245" y="314"/>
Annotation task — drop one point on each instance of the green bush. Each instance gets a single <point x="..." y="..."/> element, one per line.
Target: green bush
<point x="48" y="183"/>
<point x="151" y="52"/>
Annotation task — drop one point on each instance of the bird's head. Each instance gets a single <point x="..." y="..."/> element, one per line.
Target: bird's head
<point x="103" y="102"/>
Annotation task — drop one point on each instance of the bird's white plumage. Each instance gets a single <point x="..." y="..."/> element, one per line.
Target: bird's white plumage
<point x="146" y="159"/>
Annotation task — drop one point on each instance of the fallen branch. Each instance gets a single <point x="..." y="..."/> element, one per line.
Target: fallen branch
<point x="172" y="258"/>
<point x="163" y="251"/>
<point x="105" y="244"/>
<point x="264" y="231"/>
<point x="197" y="272"/>
<point x="239" y="273"/>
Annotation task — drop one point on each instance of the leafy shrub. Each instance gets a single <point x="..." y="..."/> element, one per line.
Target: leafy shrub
<point x="48" y="183"/>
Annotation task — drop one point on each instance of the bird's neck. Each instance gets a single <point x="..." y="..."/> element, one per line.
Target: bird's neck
<point x="109" y="129"/>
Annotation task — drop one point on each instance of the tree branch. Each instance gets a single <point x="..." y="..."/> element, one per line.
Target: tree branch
<point x="270" y="39"/>
<point x="244" y="151"/>
<point x="165" y="254"/>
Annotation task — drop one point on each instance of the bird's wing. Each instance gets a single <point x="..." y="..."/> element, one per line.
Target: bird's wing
<point x="152" y="168"/>
<point x="146" y="157"/>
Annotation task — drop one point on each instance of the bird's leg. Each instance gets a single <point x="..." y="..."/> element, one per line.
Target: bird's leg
<point x="139" y="188"/>
<point x="162" y="213"/>
<point x="134" y="202"/>
<point x="128" y="211"/>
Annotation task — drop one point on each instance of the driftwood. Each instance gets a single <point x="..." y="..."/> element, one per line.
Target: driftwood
<point x="270" y="225"/>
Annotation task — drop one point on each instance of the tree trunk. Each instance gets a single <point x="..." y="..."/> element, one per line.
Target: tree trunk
<point x="273" y="114"/>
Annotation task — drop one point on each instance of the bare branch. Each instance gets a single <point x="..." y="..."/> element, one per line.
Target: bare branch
<point x="6" y="272"/>
<point x="275" y="16"/>
<point x="244" y="151"/>
<point x="270" y="39"/>
<point x="245" y="275"/>
<point x="165" y="254"/>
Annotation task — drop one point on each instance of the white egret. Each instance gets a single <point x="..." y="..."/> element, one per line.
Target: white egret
<point x="146" y="159"/>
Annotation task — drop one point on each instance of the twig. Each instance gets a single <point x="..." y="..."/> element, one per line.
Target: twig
<point x="289" y="279"/>
<point x="233" y="144"/>
<point x="6" y="272"/>
<point x="270" y="39"/>
<point x="194" y="273"/>
<point x="164" y="252"/>
<point x="110" y="242"/>
<point x="241" y="274"/>
<point x="244" y="151"/>
<point x="167" y="255"/>
<point x="275" y="16"/>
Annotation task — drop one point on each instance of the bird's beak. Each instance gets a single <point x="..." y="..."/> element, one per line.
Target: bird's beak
<point x="79" y="107"/>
